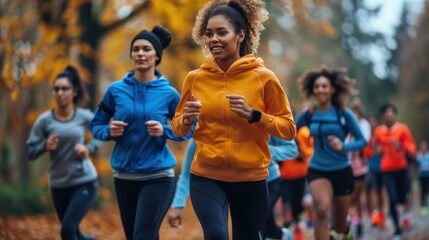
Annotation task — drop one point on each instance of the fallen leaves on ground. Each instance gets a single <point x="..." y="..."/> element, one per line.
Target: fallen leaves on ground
<point x="103" y="223"/>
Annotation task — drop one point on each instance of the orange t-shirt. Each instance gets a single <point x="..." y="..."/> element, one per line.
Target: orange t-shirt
<point x="298" y="168"/>
<point x="393" y="156"/>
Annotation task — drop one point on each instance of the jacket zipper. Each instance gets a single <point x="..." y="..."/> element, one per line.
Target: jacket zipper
<point x="227" y="128"/>
<point x="140" y="97"/>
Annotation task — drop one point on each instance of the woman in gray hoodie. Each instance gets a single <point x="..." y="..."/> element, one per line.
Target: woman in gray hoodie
<point x="61" y="132"/>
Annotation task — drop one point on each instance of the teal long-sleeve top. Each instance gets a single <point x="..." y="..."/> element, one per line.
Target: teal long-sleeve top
<point x="329" y="123"/>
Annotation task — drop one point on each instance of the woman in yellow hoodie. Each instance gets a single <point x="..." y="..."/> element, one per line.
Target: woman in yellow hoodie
<point x="238" y="103"/>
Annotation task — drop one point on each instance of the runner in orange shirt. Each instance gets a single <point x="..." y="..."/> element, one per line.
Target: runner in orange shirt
<point x="395" y="143"/>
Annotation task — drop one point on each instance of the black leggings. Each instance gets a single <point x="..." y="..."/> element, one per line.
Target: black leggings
<point x="396" y="186"/>
<point x="248" y="202"/>
<point x="71" y="204"/>
<point x="143" y="205"/>
<point x="271" y="228"/>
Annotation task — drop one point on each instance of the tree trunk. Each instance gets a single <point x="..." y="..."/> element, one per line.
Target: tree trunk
<point x="92" y="32"/>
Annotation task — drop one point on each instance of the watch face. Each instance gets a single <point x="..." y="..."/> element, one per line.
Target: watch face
<point x="256" y="116"/>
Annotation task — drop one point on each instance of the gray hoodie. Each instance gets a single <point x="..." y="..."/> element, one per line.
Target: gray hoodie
<point x="66" y="169"/>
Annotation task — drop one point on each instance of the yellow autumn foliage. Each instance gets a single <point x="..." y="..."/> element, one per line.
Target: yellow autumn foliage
<point x="38" y="42"/>
<point x="102" y="164"/>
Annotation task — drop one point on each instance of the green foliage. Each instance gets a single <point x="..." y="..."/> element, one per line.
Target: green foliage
<point x="19" y="201"/>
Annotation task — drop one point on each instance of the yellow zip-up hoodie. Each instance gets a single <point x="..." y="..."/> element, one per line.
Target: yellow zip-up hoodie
<point x="230" y="149"/>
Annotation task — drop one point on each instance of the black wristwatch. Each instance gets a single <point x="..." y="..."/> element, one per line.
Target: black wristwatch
<point x="255" y="116"/>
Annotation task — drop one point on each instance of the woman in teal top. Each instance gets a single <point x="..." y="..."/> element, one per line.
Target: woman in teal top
<point x="330" y="177"/>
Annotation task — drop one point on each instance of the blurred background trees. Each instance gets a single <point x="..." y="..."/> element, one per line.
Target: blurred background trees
<point x="39" y="38"/>
<point x="412" y="64"/>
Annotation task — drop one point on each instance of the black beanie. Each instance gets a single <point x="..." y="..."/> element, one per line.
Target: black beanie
<point x="159" y="37"/>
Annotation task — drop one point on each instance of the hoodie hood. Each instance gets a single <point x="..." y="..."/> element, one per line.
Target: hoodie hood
<point x="244" y="63"/>
<point x="160" y="81"/>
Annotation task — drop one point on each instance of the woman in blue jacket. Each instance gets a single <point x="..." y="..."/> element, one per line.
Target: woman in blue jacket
<point x="330" y="177"/>
<point x="134" y="113"/>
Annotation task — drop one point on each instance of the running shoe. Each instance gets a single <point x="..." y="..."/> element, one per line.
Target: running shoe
<point x="397" y="235"/>
<point x="378" y="219"/>
<point x="333" y="235"/>
<point x="349" y="221"/>
<point x="375" y="218"/>
<point x="406" y="223"/>
<point x="286" y="234"/>
<point x="310" y="218"/>
<point x="298" y="232"/>
<point x="424" y="211"/>
<point x="347" y="235"/>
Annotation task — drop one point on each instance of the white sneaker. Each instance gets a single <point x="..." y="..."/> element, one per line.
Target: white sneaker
<point x="396" y="237"/>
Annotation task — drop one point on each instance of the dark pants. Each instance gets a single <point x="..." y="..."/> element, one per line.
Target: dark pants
<point x="396" y="186"/>
<point x="375" y="181"/>
<point x="293" y="192"/>
<point x="271" y="228"/>
<point x="71" y="204"/>
<point x="424" y="191"/>
<point x="248" y="202"/>
<point x="143" y="205"/>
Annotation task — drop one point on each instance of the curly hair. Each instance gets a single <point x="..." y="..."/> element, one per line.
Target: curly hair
<point x="247" y="15"/>
<point x="343" y="84"/>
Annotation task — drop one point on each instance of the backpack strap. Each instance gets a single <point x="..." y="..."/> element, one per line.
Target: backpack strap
<point x="308" y="116"/>
<point x="341" y="118"/>
<point x="342" y="121"/>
